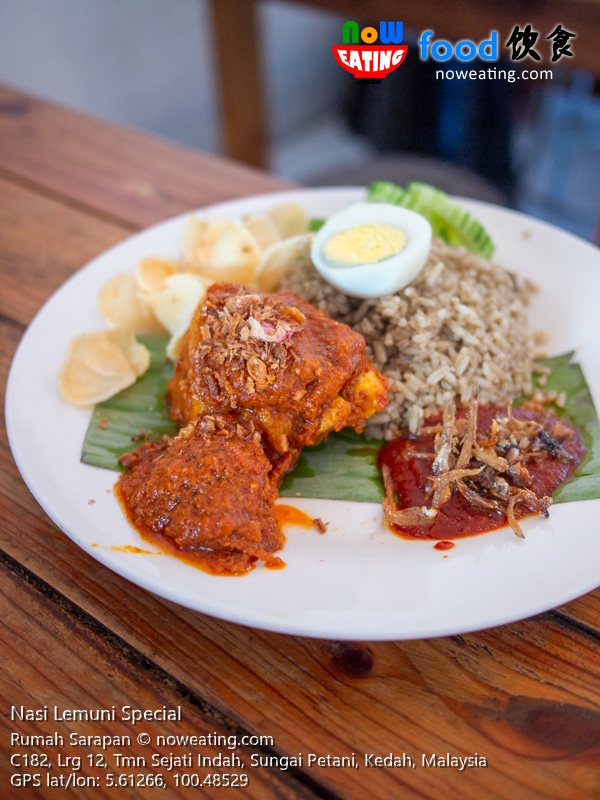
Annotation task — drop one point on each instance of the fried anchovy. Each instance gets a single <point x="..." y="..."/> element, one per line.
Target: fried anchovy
<point x="473" y="464"/>
<point x="468" y="441"/>
<point x="404" y="517"/>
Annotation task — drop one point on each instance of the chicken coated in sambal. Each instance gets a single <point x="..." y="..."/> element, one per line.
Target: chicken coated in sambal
<point x="259" y="376"/>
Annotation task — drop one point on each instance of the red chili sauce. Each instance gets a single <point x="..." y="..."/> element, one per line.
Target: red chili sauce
<point x="457" y="518"/>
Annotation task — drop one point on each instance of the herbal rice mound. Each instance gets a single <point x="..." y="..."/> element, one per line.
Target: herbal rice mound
<point x="461" y="322"/>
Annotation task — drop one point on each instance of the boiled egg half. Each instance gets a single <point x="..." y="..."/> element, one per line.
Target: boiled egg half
<point x="372" y="249"/>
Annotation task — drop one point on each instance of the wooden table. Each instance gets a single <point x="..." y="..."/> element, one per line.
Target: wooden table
<point x="525" y="696"/>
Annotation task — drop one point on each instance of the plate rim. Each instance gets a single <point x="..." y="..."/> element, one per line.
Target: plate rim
<point x="249" y="619"/>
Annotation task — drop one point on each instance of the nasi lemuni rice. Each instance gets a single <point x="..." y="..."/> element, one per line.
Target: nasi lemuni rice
<point x="460" y="323"/>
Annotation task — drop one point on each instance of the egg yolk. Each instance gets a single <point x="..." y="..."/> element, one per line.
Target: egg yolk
<point x="364" y="244"/>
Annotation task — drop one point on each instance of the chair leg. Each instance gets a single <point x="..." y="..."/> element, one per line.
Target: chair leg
<point x="239" y="70"/>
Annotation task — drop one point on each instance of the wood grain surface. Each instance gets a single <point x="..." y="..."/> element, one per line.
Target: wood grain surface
<point x="118" y="173"/>
<point x="53" y="656"/>
<point x="525" y="696"/>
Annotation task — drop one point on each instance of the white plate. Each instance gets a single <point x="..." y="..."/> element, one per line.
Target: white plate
<point x="357" y="581"/>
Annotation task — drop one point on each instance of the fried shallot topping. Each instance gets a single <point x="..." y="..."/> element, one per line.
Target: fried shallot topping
<point x="247" y="326"/>
<point x="319" y="525"/>
<point x="488" y="469"/>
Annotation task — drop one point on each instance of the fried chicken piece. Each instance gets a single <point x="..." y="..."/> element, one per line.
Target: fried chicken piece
<point x="296" y="372"/>
<point x="259" y="376"/>
<point x="209" y="491"/>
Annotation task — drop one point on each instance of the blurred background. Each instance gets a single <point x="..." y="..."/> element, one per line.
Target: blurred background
<point x="164" y="67"/>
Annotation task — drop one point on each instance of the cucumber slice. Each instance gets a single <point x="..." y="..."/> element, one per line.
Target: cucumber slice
<point x="385" y="192"/>
<point x="448" y="220"/>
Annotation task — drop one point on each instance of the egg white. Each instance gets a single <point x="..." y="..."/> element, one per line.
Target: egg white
<point x="382" y="277"/>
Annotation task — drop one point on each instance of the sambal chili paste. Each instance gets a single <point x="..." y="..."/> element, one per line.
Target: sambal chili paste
<point x="516" y="459"/>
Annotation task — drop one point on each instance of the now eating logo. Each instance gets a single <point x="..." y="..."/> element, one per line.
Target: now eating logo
<point x="370" y="60"/>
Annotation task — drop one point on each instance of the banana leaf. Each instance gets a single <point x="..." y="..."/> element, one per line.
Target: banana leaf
<point x="343" y="466"/>
<point x="579" y="409"/>
<point x="119" y="424"/>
